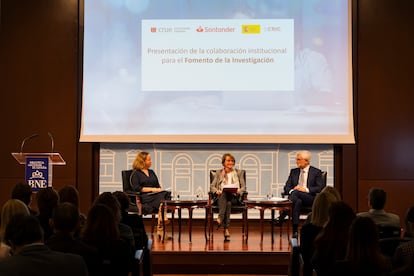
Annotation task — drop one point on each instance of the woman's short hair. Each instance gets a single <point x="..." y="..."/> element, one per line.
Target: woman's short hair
<point x="225" y="156"/>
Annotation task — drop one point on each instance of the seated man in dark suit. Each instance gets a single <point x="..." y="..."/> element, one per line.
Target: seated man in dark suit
<point x="303" y="184"/>
<point x="31" y="257"/>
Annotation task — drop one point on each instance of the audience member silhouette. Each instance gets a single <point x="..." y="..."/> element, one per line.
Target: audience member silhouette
<point x="376" y="201"/>
<point x="363" y="257"/>
<point x="331" y="243"/>
<point x="23" y="192"/>
<point x="136" y="223"/>
<point x="10" y="208"/>
<point x="309" y="231"/>
<point x="65" y="222"/>
<point x="47" y="200"/>
<point x="330" y="190"/>
<point x="31" y="257"/>
<point x="409" y="222"/>
<point x="403" y="259"/>
<point x="125" y="231"/>
<point x="101" y="231"/>
<point x="133" y="220"/>
<point x="70" y="194"/>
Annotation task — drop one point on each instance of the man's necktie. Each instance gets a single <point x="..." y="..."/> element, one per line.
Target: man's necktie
<point x="302" y="178"/>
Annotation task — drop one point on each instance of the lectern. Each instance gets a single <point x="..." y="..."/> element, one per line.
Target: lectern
<point x="39" y="167"/>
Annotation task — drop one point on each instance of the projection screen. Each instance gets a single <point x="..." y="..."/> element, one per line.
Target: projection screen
<point x="245" y="71"/>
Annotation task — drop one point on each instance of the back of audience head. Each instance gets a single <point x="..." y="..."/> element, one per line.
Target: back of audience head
<point x="23" y="229"/>
<point x="69" y="194"/>
<point x="409" y="222"/>
<point x="111" y="202"/>
<point x="341" y="215"/>
<point x="11" y="208"/>
<point x="333" y="191"/>
<point x="363" y="245"/>
<point x="377" y="198"/>
<point x="123" y="200"/>
<point x="23" y="192"/>
<point x="65" y="218"/>
<point x="320" y="208"/>
<point x="100" y="229"/>
<point x="47" y="200"/>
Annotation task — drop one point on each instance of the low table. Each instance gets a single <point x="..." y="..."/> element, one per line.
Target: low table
<point x="279" y="204"/>
<point x="186" y="204"/>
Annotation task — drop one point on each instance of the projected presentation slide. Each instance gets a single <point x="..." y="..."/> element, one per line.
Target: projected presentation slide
<point x="174" y="50"/>
<point x="234" y="71"/>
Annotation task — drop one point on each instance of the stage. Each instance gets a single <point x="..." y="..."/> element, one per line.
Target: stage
<point x="217" y="256"/>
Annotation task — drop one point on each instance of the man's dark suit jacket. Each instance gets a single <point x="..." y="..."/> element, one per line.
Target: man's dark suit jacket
<point x="314" y="183"/>
<point x="39" y="260"/>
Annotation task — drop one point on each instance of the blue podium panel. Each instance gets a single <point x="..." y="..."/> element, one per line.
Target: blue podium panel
<point x="38" y="172"/>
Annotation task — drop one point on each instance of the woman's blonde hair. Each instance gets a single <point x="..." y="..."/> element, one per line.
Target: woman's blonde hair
<point x="320" y="208"/>
<point x="332" y="190"/>
<point x="139" y="162"/>
<point x="10" y="208"/>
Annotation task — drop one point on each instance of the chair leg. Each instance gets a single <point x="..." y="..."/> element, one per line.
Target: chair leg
<point x="154" y="222"/>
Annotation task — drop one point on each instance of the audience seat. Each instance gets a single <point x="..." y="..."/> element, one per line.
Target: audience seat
<point x="385" y="231"/>
<point x="389" y="245"/>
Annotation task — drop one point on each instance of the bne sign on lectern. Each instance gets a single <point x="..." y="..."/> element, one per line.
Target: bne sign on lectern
<point x="38" y="172"/>
<point x="39" y="167"/>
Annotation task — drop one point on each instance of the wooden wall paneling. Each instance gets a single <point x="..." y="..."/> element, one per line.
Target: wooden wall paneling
<point x="385" y="101"/>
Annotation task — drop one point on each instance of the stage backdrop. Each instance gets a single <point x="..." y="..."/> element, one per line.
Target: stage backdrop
<point x="184" y="168"/>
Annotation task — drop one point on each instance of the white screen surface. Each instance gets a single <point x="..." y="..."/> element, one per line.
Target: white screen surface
<point x="217" y="71"/>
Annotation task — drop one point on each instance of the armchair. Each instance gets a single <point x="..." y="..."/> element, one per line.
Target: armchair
<point x="135" y="205"/>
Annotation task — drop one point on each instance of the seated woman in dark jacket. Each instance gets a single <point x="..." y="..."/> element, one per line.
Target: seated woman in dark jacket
<point x="145" y="181"/>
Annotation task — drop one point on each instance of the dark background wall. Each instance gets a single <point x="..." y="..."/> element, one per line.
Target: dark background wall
<point x="40" y="85"/>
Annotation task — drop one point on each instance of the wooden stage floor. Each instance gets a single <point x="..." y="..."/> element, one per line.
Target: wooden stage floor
<point x="217" y="256"/>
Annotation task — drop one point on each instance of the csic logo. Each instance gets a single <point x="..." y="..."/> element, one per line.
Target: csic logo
<point x="153" y="29"/>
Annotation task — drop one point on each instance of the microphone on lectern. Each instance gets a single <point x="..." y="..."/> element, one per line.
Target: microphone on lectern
<point x="27" y="138"/>
<point x="51" y="140"/>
